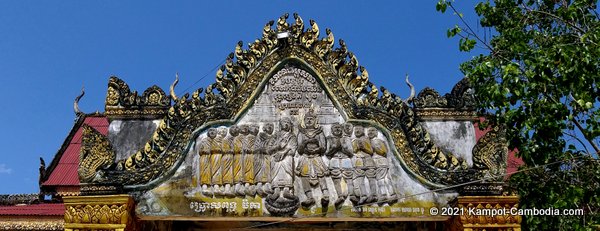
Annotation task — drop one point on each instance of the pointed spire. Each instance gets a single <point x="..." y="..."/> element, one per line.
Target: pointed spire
<point x="412" y="91"/>
<point x="172" y="88"/>
<point x="76" y="103"/>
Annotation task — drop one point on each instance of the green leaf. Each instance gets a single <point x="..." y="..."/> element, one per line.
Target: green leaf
<point x="441" y="6"/>
<point x="453" y="32"/>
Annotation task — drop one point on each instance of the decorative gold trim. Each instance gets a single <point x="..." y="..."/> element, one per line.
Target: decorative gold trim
<point x="145" y="113"/>
<point x="470" y="221"/>
<point x="99" y="212"/>
<point x="32" y="225"/>
<point x="121" y="103"/>
<point x="445" y="114"/>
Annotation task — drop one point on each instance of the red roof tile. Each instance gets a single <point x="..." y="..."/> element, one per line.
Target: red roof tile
<point x="65" y="172"/>
<point x="35" y="209"/>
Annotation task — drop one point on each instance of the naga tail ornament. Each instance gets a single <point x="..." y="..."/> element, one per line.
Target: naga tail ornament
<point x="96" y="154"/>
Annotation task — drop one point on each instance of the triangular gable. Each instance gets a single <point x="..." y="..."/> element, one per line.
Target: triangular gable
<point x="240" y="82"/>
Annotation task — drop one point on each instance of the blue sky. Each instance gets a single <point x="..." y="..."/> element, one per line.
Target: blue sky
<point x="49" y="49"/>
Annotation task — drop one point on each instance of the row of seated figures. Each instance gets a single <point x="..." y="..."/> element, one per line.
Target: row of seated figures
<point x="248" y="160"/>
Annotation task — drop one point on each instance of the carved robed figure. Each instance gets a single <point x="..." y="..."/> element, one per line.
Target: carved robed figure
<point x="310" y="168"/>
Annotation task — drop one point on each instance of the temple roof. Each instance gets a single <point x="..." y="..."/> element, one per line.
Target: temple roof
<point x="63" y="169"/>
<point x="34" y="209"/>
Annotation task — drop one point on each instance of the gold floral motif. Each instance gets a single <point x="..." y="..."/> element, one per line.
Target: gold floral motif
<point x="472" y="219"/>
<point x="112" y="96"/>
<point x="113" y="212"/>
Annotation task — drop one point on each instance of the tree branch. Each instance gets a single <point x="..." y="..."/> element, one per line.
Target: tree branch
<point x="578" y="140"/>
<point x="581" y="129"/>
<point x="469" y="27"/>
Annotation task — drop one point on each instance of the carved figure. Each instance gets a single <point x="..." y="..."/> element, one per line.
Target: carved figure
<point x="216" y="154"/>
<point x="227" y="161"/>
<point x="249" y="144"/>
<point x="310" y="168"/>
<point x="339" y="149"/>
<point x="385" y="192"/>
<point x="204" y="150"/>
<point x="363" y="166"/>
<point x="238" y="161"/>
<point x="282" y="201"/>
<point x="262" y="160"/>
<point x="282" y="151"/>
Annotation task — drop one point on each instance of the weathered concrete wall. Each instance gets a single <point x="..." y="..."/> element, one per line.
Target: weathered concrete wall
<point x="128" y="136"/>
<point x="457" y="137"/>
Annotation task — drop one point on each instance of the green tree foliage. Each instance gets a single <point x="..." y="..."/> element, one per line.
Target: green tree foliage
<point x="538" y="74"/>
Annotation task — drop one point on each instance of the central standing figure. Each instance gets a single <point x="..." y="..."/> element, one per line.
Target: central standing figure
<point x="311" y="169"/>
<point x="282" y="150"/>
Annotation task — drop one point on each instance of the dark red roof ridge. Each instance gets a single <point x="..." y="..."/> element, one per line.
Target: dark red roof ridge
<point x="46" y="209"/>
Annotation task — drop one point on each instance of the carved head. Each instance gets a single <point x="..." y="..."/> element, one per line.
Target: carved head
<point x="223" y="132"/>
<point x="285" y="124"/>
<point x="253" y="129"/>
<point x="348" y="129"/>
<point x="372" y="132"/>
<point x="212" y="133"/>
<point x="234" y="130"/>
<point x="244" y="129"/>
<point x="336" y="130"/>
<point x="310" y="119"/>
<point x="268" y="128"/>
<point x="359" y="131"/>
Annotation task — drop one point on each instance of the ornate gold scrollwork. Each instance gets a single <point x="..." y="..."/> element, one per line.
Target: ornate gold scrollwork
<point x="96" y="154"/>
<point x="490" y="153"/>
<point x="239" y="80"/>
<point x="475" y="213"/>
<point x="99" y="212"/>
<point x="122" y="103"/>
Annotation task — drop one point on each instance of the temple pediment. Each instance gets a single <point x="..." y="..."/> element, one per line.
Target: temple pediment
<point x="291" y="127"/>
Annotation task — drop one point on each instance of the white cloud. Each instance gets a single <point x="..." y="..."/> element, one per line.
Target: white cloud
<point x="4" y="169"/>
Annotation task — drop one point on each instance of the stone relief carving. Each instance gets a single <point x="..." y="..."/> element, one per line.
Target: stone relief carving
<point x="310" y="167"/>
<point x="238" y="80"/>
<point x="270" y="162"/>
<point x="293" y="149"/>
<point x="385" y="191"/>
<point x="248" y="165"/>
<point x="339" y="152"/>
<point x="293" y="152"/>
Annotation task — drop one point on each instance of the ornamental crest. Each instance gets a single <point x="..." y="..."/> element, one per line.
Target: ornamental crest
<point x="291" y="127"/>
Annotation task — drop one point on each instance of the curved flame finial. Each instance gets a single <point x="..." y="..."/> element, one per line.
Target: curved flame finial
<point x="76" y="103"/>
<point x="172" y="88"/>
<point x="412" y="91"/>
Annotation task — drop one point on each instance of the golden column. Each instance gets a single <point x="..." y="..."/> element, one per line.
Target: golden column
<point x="107" y="212"/>
<point x="479" y="213"/>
